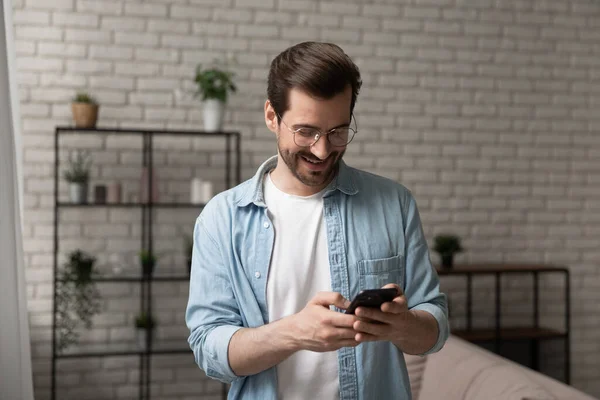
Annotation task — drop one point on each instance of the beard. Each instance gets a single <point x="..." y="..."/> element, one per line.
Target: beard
<point x="305" y="175"/>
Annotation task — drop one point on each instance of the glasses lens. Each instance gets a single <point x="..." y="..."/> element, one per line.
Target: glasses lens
<point x="305" y="136"/>
<point x="341" y="136"/>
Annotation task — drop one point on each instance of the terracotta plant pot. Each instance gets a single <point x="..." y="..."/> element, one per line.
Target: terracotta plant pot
<point x="85" y="115"/>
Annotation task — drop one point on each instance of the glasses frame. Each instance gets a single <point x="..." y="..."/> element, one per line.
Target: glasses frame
<point x="320" y="133"/>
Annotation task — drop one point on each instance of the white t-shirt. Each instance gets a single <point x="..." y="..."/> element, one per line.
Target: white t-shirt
<point x="299" y="269"/>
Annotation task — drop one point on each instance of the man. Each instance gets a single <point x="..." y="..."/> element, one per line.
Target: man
<point x="277" y="259"/>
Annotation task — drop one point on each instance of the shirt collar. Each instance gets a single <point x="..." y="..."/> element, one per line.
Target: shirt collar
<point x="343" y="182"/>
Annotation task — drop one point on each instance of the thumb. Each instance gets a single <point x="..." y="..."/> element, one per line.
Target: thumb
<point x="393" y="286"/>
<point x="327" y="299"/>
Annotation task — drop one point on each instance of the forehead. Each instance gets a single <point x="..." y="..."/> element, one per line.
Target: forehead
<point x="308" y="109"/>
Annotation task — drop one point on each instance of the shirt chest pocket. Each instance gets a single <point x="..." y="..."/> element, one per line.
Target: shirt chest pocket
<point x="373" y="274"/>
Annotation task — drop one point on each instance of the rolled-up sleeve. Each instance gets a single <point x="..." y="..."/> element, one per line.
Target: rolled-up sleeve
<point x="212" y="313"/>
<point x="422" y="286"/>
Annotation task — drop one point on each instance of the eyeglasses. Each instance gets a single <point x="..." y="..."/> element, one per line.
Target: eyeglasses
<point x="307" y="137"/>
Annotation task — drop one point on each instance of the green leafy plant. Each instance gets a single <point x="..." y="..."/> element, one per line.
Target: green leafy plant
<point x="447" y="246"/>
<point x="78" y="170"/>
<point x="144" y="321"/>
<point x="148" y="261"/>
<point x="214" y="83"/>
<point x="77" y="297"/>
<point x="82" y="97"/>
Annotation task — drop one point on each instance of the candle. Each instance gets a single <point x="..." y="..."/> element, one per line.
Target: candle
<point x="196" y="191"/>
<point x="207" y="191"/>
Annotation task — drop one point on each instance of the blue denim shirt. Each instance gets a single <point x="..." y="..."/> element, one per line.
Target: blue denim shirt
<point x="374" y="237"/>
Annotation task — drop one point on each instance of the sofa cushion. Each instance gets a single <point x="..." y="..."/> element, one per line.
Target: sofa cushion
<point x="505" y="382"/>
<point x="416" y="368"/>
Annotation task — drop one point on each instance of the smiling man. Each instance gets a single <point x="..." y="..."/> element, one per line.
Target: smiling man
<point x="277" y="259"/>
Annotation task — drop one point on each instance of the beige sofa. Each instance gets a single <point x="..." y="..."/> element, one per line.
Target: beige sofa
<point x="464" y="371"/>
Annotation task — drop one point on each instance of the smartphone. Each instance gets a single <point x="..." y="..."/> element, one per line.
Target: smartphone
<point x="372" y="298"/>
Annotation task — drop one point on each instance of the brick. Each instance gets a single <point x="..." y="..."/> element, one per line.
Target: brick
<point x="24" y="47"/>
<point x="146" y="9"/>
<point x="380" y="38"/>
<point x="106" y="7"/>
<point x="100" y="52"/>
<point x="87" y="66"/>
<point x="151" y="98"/>
<point x="136" y="39"/>
<point x="156" y="83"/>
<point x="54" y="5"/>
<point x="229" y="15"/>
<point x="86" y="36"/>
<point x="251" y="31"/>
<point x="183" y="42"/>
<point x="31" y="17"/>
<point x="163" y="26"/>
<point x="293" y="5"/>
<point x="339" y="8"/>
<point x="61" y="49"/>
<point x="164" y="55"/>
<point x="194" y="12"/>
<point x="109" y="82"/>
<point x="75" y="19"/>
<point x="423" y="12"/>
<point x="38" y="32"/>
<point x="123" y="24"/>
<point x="136" y="69"/>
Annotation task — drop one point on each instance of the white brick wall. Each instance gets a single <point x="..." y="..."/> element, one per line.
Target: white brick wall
<point x="486" y="110"/>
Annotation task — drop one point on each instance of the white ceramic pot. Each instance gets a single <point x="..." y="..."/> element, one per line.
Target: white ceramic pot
<point x="214" y="111"/>
<point x="78" y="193"/>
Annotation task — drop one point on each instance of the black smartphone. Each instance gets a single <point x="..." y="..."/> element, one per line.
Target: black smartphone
<point x="372" y="298"/>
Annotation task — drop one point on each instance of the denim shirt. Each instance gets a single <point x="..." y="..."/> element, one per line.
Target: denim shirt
<point x="374" y="237"/>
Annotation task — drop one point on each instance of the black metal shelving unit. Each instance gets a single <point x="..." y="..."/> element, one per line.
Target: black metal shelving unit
<point x="534" y="333"/>
<point x="232" y="177"/>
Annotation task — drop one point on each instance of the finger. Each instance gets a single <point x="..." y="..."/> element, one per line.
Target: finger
<point x="342" y="334"/>
<point x="394" y="286"/>
<point x="397" y="306"/>
<point x="327" y="299"/>
<point x="372" y="329"/>
<point x="373" y="314"/>
<point x="361" y="337"/>
<point x="341" y="320"/>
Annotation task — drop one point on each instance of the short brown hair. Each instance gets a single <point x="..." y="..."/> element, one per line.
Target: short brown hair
<point x="322" y="70"/>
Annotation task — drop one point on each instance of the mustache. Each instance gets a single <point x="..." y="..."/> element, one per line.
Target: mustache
<point x="311" y="156"/>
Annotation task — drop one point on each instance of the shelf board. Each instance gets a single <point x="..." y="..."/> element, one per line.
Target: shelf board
<point x="122" y="349"/>
<point x="138" y="278"/>
<point x="130" y="205"/>
<point x="491" y="268"/>
<point x="105" y="130"/>
<point x="484" y="335"/>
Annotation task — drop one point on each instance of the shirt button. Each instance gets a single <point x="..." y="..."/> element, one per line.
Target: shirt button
<point x="257" y="274"/>
<point x="266" y="225"/>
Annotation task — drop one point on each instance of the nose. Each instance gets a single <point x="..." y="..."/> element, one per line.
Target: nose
<point x="322" y="148"/>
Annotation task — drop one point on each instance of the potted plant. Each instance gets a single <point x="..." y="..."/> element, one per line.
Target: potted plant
<point x="447" y="246"/>
<point x="188" y="242"/>
<point x="85" y="110"/>
<point x="77" y="297"/>
<point x="148" y="261"/>
<point x="214" y="85"/>
<point x="78" y="174"/>
<point x="144" y="325"/>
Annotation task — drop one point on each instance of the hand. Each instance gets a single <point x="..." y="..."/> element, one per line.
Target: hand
<point x="317" y="328"/>
<point x="385" y="323"/>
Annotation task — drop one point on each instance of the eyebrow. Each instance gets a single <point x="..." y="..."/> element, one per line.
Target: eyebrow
<point x="298" y="126"/>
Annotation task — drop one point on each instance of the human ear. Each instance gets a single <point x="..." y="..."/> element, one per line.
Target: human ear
<point x="271" y="119"/>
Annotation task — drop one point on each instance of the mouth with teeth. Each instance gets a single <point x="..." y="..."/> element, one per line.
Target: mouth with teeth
<point x="315" y="164"/>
